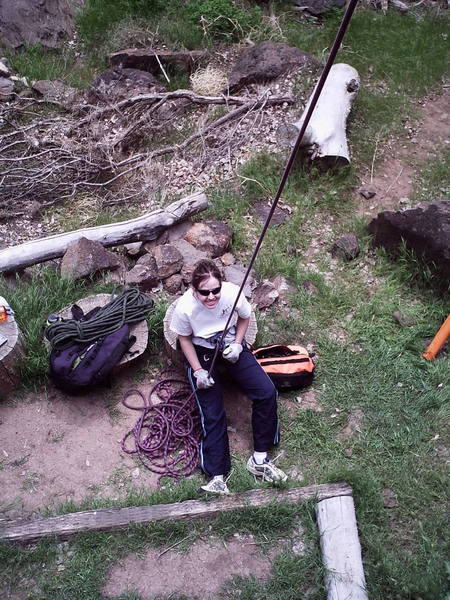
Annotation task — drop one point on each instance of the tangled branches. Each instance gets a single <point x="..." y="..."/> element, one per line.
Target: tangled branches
<point x="48" y="155"/>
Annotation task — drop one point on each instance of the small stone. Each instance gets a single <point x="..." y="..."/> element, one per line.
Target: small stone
<point x="310" y="287"/>
<point x="348" y="452"/>
<point x="367" y="193"/>
<point x="389" y="498"/>
<point x="227" y="259"/>
<point x="346" y="247"/>
<point x="402" y="319"/>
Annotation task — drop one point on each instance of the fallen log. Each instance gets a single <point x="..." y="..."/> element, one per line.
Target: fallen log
<point x="111" y="519"/>
<point x="341" y="550"/>
<point x="144" y="228"/>
<point x="325" y="140"/>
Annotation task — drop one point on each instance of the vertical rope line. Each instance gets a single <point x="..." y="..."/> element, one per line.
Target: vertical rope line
<point x="315" y="97"/>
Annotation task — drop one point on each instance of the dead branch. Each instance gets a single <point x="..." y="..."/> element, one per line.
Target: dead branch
<point x="51" y="159"/>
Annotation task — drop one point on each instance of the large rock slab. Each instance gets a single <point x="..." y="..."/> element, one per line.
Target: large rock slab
<point x="425" y="229"/>
<point x="55" y="90"/>
<point x="267" y="61"/>
<point x="146" y="59"/>
<point x="28" y="22"/>
<point x="86" y="257"/>
<point x="118" y="84"/>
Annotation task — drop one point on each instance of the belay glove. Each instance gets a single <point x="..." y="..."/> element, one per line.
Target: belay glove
<point x="203" y="380"/>
<point x="232" y="352"/>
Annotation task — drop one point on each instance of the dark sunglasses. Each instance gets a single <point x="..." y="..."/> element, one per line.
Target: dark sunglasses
<point x="206" y="293"/>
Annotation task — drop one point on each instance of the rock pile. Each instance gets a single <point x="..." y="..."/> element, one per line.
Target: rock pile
<point x="167" y="263"/>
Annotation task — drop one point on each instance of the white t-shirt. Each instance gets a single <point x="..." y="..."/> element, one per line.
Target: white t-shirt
<point x="191" y="317"/>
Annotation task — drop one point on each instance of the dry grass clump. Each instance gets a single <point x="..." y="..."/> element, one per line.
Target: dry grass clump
<point x="208" y="81"/>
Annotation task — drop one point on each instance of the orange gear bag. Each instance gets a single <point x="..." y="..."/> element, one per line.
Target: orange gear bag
<point x="288" y="366"/>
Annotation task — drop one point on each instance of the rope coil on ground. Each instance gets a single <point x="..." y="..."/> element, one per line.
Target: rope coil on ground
<point x="129" y="307"/>
<point x="167" y="434"/>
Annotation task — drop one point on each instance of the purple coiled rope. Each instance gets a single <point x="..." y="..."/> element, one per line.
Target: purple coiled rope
<point x="167" y="434"/>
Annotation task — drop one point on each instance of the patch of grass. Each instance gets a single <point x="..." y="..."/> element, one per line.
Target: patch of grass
<point x="86" y="211"/>
<point x="432" y="182"/>
<point x="37" y="63"/>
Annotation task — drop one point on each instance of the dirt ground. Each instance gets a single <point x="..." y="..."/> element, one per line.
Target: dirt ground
<point x="201" y="573"/>
<point x="54" y="448"/>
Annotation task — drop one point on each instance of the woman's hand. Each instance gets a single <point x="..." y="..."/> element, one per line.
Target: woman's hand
<point x="203" y="380"/>
<point x="232" y="352"/>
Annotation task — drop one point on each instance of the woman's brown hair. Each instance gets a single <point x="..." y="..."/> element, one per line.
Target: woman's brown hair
<point x="203" y="270"/>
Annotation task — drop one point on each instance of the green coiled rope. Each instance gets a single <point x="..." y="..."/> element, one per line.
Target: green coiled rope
<point x="129" y="307"/>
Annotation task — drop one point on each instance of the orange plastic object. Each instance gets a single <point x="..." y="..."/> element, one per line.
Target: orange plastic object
<point x="3" y="313"/>
<point x="438" y="341"/>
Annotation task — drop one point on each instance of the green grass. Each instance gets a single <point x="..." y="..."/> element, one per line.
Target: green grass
<point x="37" y="63"/>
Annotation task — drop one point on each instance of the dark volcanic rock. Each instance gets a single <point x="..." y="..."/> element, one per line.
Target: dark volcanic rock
<point x="425" y="229"/>
<point x="146" y="59"/>
<point x="267" y="61"/>
<point x="346" y="247"/>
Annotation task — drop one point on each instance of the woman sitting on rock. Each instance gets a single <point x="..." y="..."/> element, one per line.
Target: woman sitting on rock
<point x="199" y="319"/>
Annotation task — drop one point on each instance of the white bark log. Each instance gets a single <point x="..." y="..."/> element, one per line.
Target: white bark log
<point x="325" y="137"/>
<point x="341" y="550"/>
<point x="144" y="228"/>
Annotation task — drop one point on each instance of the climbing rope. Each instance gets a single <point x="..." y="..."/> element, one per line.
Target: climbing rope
<point x="154" y="419"/>
<point x="167" y="434"/>
<point x="129" y="307"/>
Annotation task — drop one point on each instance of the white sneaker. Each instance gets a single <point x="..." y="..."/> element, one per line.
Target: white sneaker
<point x="216" y="486"/>
<point x="267" y="471"/>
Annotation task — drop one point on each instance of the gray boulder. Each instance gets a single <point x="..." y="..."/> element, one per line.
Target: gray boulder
<point x="425" y="229"/>
<point x="235" y="274"/>
<point x="56" y="90"/>
<point x="117" y="84"/>
<point x="86" y="257"/>
<point x="267" y="61"/>
<point x="28" y="22"/>
<point x="144" y="274"/>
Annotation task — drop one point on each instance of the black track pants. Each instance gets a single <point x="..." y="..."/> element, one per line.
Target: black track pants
<point x="214" y="450"/>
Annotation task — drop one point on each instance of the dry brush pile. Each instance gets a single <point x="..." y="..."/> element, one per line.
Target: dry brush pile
<point x="51" y="151"/>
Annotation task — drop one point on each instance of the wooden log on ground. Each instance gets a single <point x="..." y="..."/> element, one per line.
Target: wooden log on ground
<point x="341" y="550"/>
<point x="11" y="355"/>
<point x="325" y="140"/>
<point x="144" y="228"/>
<point x="110" y="519"/>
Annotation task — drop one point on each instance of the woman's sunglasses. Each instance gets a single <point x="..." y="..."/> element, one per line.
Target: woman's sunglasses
<point x="206" y="293"/>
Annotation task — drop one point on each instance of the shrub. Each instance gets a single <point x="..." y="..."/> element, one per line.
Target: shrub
<point x="98" y="16"/>
<point x="223" y="19"/>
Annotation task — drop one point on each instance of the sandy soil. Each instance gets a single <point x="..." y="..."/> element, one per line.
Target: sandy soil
<point x="392" y="181"/>
<point x="199" y="573"/>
